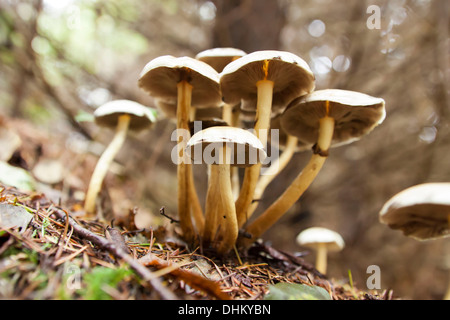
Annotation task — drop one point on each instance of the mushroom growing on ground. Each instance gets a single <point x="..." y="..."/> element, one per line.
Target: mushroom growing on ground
<point x="421" y="212"/>
<point x="222" y="147"/>
<point x="123" y="115"/>
<point x="272" y="79"/>
<point x="322" y="240"/>
<point x="324" y="118"/>
<point x="188" y="83"/>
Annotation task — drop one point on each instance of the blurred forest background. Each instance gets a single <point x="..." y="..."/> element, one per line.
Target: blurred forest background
<point x="60" y="59"/>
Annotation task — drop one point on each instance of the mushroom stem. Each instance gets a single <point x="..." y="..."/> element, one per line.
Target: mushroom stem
<point x="251" y="175"/>
<point x="297" y="187"/>
<point x="321" y="258"/>
<point x="230" y="230"/>
<point x="184" y="96"/>
<point x="227" y="113"/>
<point x="263" y="109"/>
<point x="192" y="113"/>
<point x="235" y="183"/>
<point x="196" y="207"/>
<point x="229" y="117"/>
<point x="276" y="167"/>
<point x="211" y="206"/>
<point x="104" y="163"/>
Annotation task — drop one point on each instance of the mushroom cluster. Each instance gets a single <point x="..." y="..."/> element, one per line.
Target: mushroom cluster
<point x="228" y="91"/>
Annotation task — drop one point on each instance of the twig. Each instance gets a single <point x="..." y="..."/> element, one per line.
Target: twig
<point x="119" y="253"/>
<point x="162" y="212"/>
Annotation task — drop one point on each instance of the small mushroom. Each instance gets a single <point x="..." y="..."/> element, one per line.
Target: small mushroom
<point x="272" y="79"/>
<point x="421" y="212"/>
<point x="123" y="115"/>
<point x="218" y="58"/>
<point x="323" y="118"/>
<point x="222" y="147"/>
<point x="191" y="83"/>
<point x="322" y="240"/>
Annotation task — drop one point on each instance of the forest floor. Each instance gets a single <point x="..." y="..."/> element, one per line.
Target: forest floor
<point x="55" y="254"/>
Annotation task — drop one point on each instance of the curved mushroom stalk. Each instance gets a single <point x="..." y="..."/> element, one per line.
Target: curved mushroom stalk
<point x="322" y="118"/>
<point x="262" y="124"/>
<point x="297" y="187"/>
<point x="272" y="172"/>
<point x="104" y="163"/>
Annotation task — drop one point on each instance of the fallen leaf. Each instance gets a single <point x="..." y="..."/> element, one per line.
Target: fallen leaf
<point x="12" y="216"/>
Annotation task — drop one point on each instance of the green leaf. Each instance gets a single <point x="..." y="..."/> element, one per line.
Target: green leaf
<point x="296" y="291"/>
<point x="101" y="277"/>
<point x="83" y="116"/>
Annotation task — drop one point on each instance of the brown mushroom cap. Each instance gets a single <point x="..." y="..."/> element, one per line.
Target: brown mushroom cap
<point x="218" y="58"/>
<point x="421" y="211"/>
<point x="108" y="114"/>
<point x="236" y="139"/>
<point x="291" y="75"/>
<point x="160" y="76"/>
<point x="355" y="114"/>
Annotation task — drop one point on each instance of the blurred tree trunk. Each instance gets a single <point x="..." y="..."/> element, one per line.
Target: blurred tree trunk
<point x="249" y="25"/>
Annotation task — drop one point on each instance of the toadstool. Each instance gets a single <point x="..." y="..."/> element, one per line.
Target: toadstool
<point x="189" y="82"/>
<point x="222" y="147"/>
<point x="123" y="115"/>
<point x="272" y="79"/>
<point x="322" y="240"/>
<point x="421" y="212"/>
<point x="324" y="118"/>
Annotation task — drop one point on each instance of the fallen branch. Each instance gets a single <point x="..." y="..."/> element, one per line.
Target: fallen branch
<point x="118" y="252"/>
